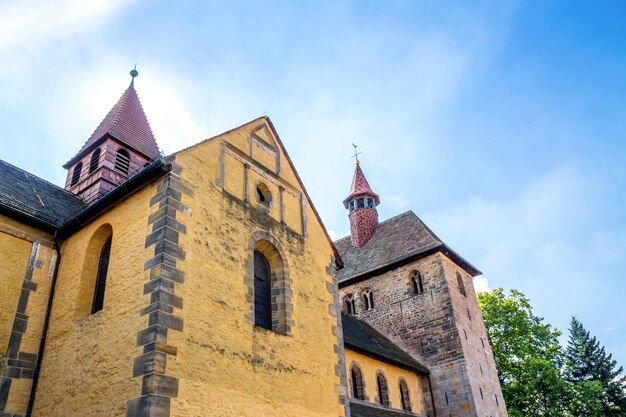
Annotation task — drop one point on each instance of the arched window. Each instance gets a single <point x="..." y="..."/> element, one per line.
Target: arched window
<point x="268" y="285"/>
<point x="383" y="391"/>
<point x="405" y="400"/>
<point x="101" y="277"/>
<point x="93" y="280"/>
<point x="122" y="161"/>
<point x="262" y="291"/>
<point x="417" y="283"/>
<point x="263" y="195"/>
<point x="459" y="281"/>
<point x="358" y="390"/>
<point x="349" y="306"/>
<point x="76" y="173"/>
<point x="95" y="160"/>
<point x="368" y="300"/>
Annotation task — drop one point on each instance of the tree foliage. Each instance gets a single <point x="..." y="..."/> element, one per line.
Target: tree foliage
<point x="538" y="377"/>
<point x="595" y="374"/>
<point x="527" y="355"/>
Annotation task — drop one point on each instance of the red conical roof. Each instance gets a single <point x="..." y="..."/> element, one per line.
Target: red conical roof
<point x="360" y="187"/>
<point x="127" y="123"/>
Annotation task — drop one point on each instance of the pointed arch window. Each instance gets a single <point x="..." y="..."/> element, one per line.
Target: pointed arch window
<point x="368" y="299"/>
<point x="461" y="285"/>
<point x="417" y="282"/>
<point x="95" y="161"/>
<point x="358" y="389"/>
<point x="349" y="305"/>
<point x="101" y="277"/>
<point x="262" y="291"/>
<point x="383" y="390"/>
<point x="404" y="396"/>
<point x="122" y="161"/>
<point x="76" y="173"/>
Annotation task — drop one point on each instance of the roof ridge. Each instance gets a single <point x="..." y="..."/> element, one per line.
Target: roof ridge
<point x="40" y="179"/>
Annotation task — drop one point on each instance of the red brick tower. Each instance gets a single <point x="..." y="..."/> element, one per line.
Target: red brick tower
<point x="121" y="145"/>
<point x="361" y="202"/>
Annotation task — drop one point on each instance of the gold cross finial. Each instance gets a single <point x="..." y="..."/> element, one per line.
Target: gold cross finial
<point x="356" y="154"/>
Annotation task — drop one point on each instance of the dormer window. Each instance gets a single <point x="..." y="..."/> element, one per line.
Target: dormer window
<point x="122" y="161"/>
<point x="76" y="173"/>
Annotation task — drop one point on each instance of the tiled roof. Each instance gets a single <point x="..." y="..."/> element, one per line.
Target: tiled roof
<point x="394" y="240"/>
<point x="364" y="338"/>
<point x="360" y="187"/>
<point x="33" y="197"/>
<point x="359" y="409"/>
<point x="128" y="123"/>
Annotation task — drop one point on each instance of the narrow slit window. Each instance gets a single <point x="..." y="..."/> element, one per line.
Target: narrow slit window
<point x="262" y="292"/>
<point x="95" y="161"/>
<point x="101" y="277"/>
<point x="122" y="161"/>
<point x="459" y="281"/>
<point x="76" y="173"/>
<point x="358" y="391"/>
<point x="404" y="396"/>
<point x="383" y="391"/>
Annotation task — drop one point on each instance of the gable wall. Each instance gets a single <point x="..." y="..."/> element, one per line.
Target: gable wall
<point x="224" y="364"/>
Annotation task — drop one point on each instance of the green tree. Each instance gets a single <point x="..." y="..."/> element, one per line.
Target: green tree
<point x="594" y="373"/>
<point x="527" y="355"/>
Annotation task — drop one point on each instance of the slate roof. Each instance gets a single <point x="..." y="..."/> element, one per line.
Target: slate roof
<point x="394" y="240"/>
<point x="128" y="123"/>
<point x="35" y="198"/>
<point x="362" y="337"/>
<point x="359" y="409"/>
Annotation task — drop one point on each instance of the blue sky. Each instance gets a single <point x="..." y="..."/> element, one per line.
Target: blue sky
<point x="501" y="124"/>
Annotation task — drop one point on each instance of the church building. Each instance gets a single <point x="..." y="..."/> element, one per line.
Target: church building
<point x="204" y="283"/>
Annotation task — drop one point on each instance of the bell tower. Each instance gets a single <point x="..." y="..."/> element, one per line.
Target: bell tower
<point x="361" y="203"/>
<point x="121" y="145"/>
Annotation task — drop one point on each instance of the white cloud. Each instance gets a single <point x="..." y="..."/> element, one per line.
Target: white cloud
<point x="24" y="23"/>
<point x="481" y="284"/>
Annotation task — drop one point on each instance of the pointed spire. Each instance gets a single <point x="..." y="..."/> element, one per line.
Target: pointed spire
<point x="361" y="203"/>
<point x="133" y="73"/>
<point x="127" y="123"/>
<point x="360" y="187"/>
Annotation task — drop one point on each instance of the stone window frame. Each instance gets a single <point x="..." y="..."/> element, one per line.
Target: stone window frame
<point x="348" y="304"/>
<point x="367" y="296"/>
<point x="262" y="190"/>
<point x="282" y="307"/>
<point x="382" y="390"/>
<point x="361" y="385"/>
<point x="416" y="285"/>
<point x="404" y="402"/>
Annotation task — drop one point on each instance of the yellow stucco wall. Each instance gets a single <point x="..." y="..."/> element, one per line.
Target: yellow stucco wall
<point x="21" y="245"/>
<point x="226" y="365"/>
<point x="370" y="366"/>
<point x="87" y="366"/>
<point x="14" y="254"/>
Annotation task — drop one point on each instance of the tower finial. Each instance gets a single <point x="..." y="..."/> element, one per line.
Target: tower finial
<point x="356" y="155"/>
<point x="133" y="73"/>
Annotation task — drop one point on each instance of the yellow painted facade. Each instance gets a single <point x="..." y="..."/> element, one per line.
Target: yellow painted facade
<point x="393" y="374"/>
<point x="226" y="365"/>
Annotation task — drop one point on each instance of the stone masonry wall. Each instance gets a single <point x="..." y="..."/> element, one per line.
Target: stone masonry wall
<point x="425" y="325"/>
